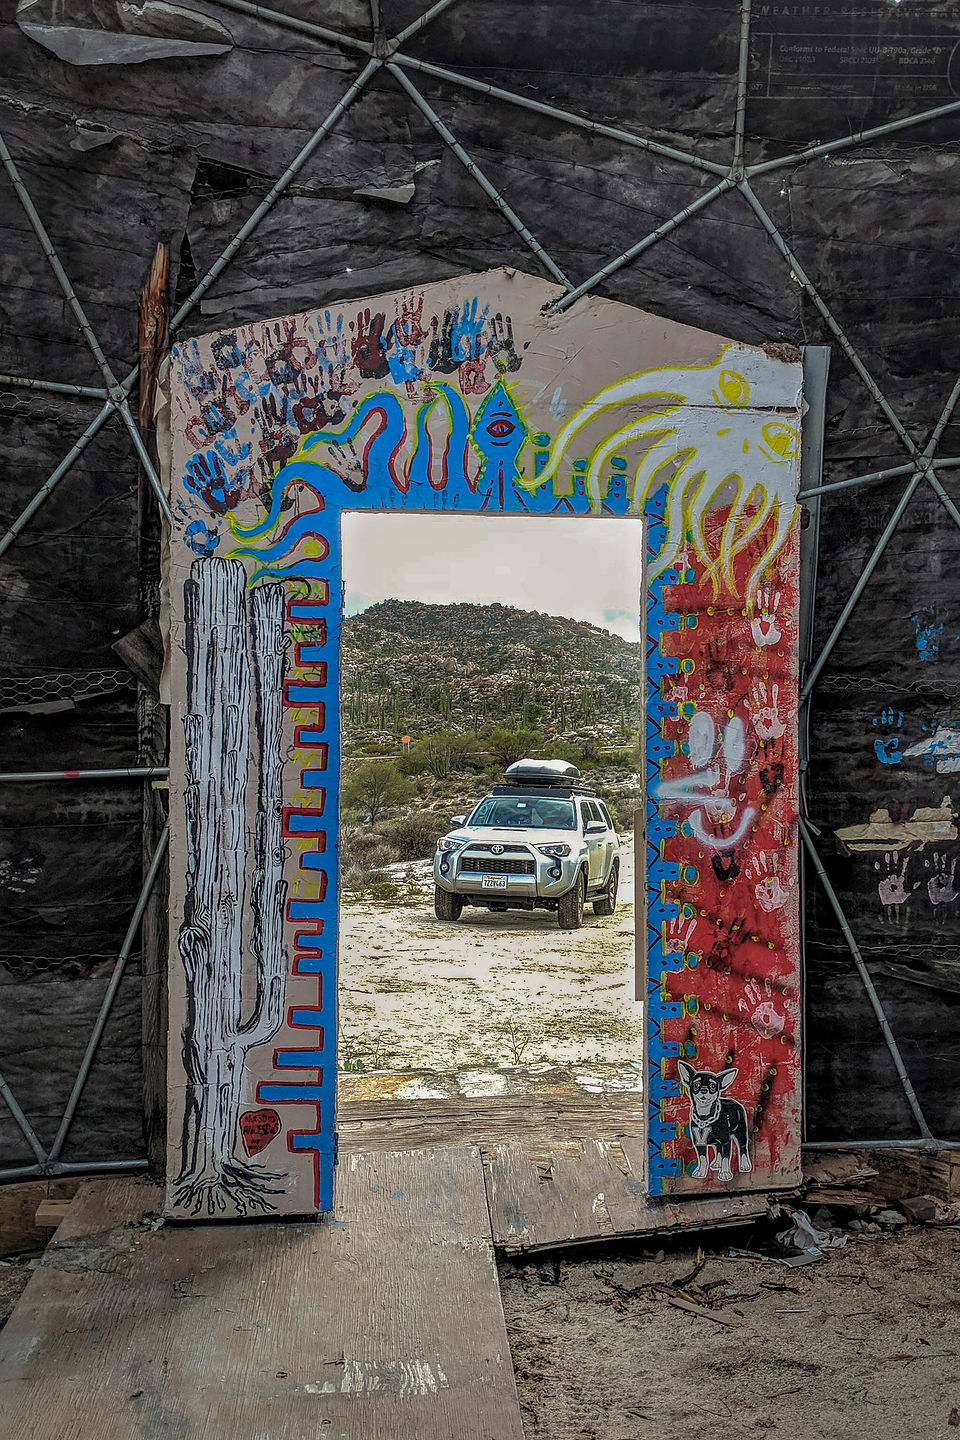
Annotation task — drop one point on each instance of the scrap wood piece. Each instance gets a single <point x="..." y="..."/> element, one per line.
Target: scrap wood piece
<point x="857" y="1200"/>
<point x="828" y="1169"/>
<point x="587" y="1196"/>
<point x="154" y="308"/>
<point x="719" y="1317"/>
<point x="386" y="1321"/>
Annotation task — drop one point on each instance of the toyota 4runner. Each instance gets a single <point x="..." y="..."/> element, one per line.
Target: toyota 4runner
<point x="543" y="841"/>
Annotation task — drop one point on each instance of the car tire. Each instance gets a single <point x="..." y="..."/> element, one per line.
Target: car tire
<point x="445" y="905"/>
<point x="570" y="906"/>
<point x="608" y="900"/>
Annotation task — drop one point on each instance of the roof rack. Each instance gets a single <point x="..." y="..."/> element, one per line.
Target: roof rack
<point x="561" y="789"/>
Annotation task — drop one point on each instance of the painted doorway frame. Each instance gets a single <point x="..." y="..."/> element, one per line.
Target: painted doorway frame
<point x="701" y="786"/>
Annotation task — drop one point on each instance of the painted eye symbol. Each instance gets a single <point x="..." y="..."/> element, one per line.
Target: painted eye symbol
<point x="500" y="428"/>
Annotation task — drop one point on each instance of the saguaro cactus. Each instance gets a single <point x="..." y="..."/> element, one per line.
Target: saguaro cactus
<point x="223" y="675"/>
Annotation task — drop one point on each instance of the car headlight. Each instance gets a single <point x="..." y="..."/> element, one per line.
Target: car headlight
<point x="444" y="844"/>
<point x="559" y="850"/>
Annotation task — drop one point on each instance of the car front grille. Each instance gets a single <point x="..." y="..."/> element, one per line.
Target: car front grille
<point x="504" y="849"/>
<point x="474" y="865"/>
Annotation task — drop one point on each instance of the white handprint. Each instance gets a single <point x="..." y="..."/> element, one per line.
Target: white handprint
<point x="759" y="1006"/>
<point x="677" y="931"/>
<point x="770" y="892"/>
<point x="892" y="888"/>
<point x="766" y="716"/>
<point x="764" y="626"/>
<point x="940" y="886"/>
<point x="709" y="783"/>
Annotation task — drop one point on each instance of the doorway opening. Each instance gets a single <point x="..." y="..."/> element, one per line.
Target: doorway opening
<point x="471" y="643"/>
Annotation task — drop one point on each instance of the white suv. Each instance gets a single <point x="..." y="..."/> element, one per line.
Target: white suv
<point x="543" y="841"/>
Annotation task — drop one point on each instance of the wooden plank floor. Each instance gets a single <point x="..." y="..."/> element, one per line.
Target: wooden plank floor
<point x="534" y="1120"/>
<point x="563" y="1170"/>
<point x="590" y="1190"/>
<point x="384" y="1324"/>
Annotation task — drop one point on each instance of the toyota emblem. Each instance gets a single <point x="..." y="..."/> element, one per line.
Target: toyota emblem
<point x="497" y="849"/>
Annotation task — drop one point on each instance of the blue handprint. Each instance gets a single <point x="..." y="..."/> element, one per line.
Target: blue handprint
<point x="467" y="324"/>
<point x="887" y="748"/>
<point x="928" y="632"/>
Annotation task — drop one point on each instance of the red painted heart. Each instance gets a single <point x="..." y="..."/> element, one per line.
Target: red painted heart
<point x="258" y="1128"/>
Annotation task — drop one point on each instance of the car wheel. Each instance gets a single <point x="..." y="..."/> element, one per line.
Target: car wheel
<point x="570" y="906"/>
<point x="445" y="905"/>
<point x="608" y="900"/>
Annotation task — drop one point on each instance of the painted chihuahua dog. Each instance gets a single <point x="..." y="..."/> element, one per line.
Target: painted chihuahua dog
<point x="715" y="1123"/>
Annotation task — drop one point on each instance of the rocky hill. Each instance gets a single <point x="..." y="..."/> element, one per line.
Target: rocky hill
<point x="410" y="667"/>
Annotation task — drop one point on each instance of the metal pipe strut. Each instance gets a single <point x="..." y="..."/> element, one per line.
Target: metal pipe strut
<point x="56" y="387"/>
<point x="844" y="142"/>
<point x="122" y="390"/>
<point x="107" y="1004"/>
<point x="135" y="772"/>
<point x="835" y="328"/>
<point x="566" y="301"/>
<point x="46" y="245"/>
<point x="944" y="421"/>
<point x="26" y="1129"/>
<point x="267" y="203"/>
<point x="51" y="483"/>
<point x="420" y="23"/>
<point x="860" y="586"/>
<point x="943" y="497"/>
<point x="474" y="170"/>
<point x="86" y="329"/>
<point x="554" y="112"/>
<point x="743" y="62"/>
<point x="868" y="985"/>
<point x="856" y="480"/>
<point x="290" y="22"/>
<point x="70" y="1167"/>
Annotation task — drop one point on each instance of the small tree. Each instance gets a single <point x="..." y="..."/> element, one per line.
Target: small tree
<point x="508" y="745"/>
<point x="376" y="787"/>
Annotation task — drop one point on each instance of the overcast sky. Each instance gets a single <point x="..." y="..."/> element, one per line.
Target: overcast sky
<point x="587" y="569"/>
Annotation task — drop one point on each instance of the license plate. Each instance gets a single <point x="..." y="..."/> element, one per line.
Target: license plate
<point x="494" y="882"/>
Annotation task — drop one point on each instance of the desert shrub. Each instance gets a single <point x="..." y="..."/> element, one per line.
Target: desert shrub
<point x="364" y="852"/>
<point x="415" y="836"/>
<point x="446" y="753"/>
<point x="623" y="808"/>
<point x="506" y="746"/>
<point x="375" y="787"/>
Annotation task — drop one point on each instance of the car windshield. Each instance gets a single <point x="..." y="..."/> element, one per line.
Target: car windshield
<point x="528" y="814"/>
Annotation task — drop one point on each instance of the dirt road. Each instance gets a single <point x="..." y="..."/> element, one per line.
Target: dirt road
<point x="483" y="1005"/>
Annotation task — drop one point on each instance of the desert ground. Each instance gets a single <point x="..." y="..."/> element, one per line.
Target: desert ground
<point x="492" y="1003"/>
<point x="864" y="1342"/>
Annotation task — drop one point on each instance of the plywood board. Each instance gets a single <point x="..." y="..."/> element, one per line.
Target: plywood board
<point x="382" y="1324"/>
<point x="534" y="1120"/>
<point x="589" y="1191"/>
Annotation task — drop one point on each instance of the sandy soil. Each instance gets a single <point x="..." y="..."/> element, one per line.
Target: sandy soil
<point x="866" y="1342"/>
<point x="492" y="992"/>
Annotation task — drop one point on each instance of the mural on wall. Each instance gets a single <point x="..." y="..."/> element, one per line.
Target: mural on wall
<point x="467" y="396"/>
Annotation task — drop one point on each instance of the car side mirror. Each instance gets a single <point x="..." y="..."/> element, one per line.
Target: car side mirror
<point x="459" y="820"/>
<point x="595" y="827"/>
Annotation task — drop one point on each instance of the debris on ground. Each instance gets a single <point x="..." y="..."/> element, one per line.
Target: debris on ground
<point x="631" y="1342"/>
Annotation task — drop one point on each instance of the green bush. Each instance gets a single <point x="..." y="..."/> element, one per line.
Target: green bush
<point x="363" y="854"/>
<point x="506" y="746"/>
<point x="446" y="753"/>
<point x="375" y="787"/>
<point x="415" y="836"/>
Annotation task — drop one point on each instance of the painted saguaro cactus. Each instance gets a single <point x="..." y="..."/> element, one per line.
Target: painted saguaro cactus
<point x="471" y="396"/>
